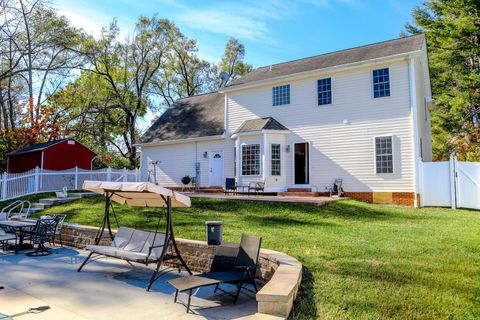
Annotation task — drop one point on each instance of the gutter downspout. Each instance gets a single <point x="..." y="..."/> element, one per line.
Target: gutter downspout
<point x="414" y="111"/>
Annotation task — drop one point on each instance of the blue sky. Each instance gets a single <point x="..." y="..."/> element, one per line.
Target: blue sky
<point x="272" y="30"/>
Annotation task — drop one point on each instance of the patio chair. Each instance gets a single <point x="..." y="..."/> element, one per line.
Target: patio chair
<point x="58" y="232"/>
<point x="44" y="231"/>
<point x="337" y="188"/>
<point x="5" y="237"/>
<point x="240" y="272"/>
<point x="63" y="193"/>
<point x="230" y="186"/>
<point x="256" y="187"/>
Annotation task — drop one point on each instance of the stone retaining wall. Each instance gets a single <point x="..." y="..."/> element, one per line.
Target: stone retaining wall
<point x="279" y="273"/>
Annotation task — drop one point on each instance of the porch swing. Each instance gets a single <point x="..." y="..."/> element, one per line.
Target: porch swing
<point x="133" y="245"/>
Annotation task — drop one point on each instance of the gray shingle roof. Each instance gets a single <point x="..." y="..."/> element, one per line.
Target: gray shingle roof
<point x="368" y="52"/>
<point x="261" y="124"/>
<point x="192" y="117"/>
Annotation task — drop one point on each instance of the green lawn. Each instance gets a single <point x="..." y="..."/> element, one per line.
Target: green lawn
<point x="361" y="261"/>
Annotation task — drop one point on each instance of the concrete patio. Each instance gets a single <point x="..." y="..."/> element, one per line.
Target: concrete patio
<point x="105" y="289"/>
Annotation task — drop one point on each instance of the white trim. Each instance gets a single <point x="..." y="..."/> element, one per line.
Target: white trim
<point x="372" y="90"/>
<point x="264" y="157"/>
<point x="186" y="140"/>
<point x="319" y="72"/>
<point x="252" y="133"/>
<point x="210" y="167"/>
<point x="375" y="154"/>
<point x="292" y="151"/>
<point x="415" y="136"/>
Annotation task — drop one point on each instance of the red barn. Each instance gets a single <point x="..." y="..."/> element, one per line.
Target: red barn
<point x="53" y="155"/>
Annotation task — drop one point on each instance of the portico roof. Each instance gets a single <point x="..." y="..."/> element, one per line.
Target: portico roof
<point x="261" y="124"/>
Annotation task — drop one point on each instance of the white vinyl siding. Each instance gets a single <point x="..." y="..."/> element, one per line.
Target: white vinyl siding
<point x="341" y="136"/>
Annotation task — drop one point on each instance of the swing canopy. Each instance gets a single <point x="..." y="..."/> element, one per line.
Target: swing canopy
<point x="138" y="194"/>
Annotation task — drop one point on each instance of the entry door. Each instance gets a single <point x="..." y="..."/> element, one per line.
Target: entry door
<point x="215" y="163"/>
<point x="301" y="163"/>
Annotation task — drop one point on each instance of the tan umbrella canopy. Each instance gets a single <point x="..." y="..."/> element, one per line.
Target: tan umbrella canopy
<point x="138" y="194"/>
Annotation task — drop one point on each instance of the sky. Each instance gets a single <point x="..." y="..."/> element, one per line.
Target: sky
<point x="272" y="31"/>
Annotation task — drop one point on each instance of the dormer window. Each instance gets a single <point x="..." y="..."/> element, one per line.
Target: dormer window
<point x="281" y="95"/>
<point x="381" y="83"/>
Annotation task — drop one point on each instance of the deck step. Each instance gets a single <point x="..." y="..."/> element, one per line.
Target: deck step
<point x="299" y="190"/>
<point x="299" y="194"/>
<point x="209" y="190"/>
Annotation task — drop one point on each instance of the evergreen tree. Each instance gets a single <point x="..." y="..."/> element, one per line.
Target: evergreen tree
<point x="452" y="29"/>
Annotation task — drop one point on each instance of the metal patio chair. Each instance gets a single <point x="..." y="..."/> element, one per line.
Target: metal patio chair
<point x="58" y="231"/>
<point x="337" y="189"/>
<point x="256" y="187"/>
<point x="238" y="269"/>
<point x="44" y="231"/>
<point x="230" y="186"/>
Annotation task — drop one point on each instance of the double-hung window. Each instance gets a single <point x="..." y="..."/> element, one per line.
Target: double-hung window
<point x="281" y="95"/>
<point x="384" y="154"/>
<point x="276" y="165"/>
<point x="250" y="159"/>
<point x="381" y="83"/>
<point x="324" y="87"/>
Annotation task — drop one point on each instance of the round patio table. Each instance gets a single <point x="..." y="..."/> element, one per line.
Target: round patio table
<point x="19" y="227"/>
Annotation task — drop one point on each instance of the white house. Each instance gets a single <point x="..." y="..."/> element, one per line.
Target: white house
<point x="359" y="114"/>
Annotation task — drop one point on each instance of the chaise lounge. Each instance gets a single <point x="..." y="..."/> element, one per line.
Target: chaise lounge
<point x="229" y="266"/>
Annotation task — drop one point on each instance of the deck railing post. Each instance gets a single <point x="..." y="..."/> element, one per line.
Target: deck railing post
<point x="76" y="178"/>
<point x="4" y="186"/>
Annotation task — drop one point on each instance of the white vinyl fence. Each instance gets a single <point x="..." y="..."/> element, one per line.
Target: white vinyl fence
<point x="13" y="185"/>
<point x="453" y="183"/>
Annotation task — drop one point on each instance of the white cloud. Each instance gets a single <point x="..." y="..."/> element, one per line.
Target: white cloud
<point x="228" y="23"/>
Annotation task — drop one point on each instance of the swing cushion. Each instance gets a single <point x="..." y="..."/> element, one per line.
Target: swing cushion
<point x="132" y="245"/>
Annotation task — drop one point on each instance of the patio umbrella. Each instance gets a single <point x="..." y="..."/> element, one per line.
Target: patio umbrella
<point x="141" y="194"/>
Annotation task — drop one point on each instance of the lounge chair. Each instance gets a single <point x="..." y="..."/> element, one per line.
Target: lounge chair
<point x="63" y="193"/>
<point x="230" y="186"/>
<point x="238" y="268"/>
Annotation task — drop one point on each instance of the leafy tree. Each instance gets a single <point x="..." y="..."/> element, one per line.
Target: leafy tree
<point x="453" y="35"/>
<point x="41" y="128"/>
<point x="232" y="61"/>
<point x="184" y="73"/>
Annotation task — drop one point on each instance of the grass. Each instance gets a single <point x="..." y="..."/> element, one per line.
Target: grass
<point x="361" y="261"/>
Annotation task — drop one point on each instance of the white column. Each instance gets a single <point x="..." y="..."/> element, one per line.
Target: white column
<point x="109" y="174"/>
<point x="238" y="160"/>
<point x="264" y="158"/>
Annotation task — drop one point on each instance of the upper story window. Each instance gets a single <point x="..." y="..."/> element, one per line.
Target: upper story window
<point x="281" y="95"/>
<point x="324" y="91"/>
<point x="381" y="83"/>
<point x="250" y="159"/>
<point x="384" y="154"/>
<point x="276" y="165"/>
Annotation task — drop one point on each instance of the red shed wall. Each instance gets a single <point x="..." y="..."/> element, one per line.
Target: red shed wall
<point x="62" y="156"/>
<point x="24" y="162"/>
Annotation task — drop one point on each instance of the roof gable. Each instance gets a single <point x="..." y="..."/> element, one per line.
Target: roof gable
<point x="197" y="116"/>
<point x="358" y="54"/>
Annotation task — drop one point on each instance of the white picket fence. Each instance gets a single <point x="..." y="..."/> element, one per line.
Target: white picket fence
<point x="14" y="185"/>
<point x="453" y="183"/>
